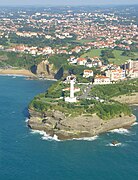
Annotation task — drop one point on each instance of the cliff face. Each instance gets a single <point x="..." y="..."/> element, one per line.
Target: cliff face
<point x="82" y="126"/>
<point x="47" y="70"/>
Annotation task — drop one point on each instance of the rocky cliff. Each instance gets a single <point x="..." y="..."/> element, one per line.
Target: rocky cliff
<point x="55" y="123"/>
<point x="47" y="70"/>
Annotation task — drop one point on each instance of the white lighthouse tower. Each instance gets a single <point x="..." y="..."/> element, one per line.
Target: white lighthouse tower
<point x="71" y="98"/>
<point x="72" y="82"/>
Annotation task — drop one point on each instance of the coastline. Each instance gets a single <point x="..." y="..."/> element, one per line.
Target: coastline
<point x="17" y="72"/>
<point x="67" y="128"/>
<point x="22" y="72"/>
<point x="78" y="127"/>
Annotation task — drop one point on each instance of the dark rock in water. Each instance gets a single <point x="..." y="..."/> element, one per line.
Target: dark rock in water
<point x="115" y="142"/>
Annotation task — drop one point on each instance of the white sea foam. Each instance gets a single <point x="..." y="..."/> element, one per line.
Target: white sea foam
<point x="134" y="124"/>
<point x="86" y="138"/>
<point x="120" y="131"/>
<point x="114" y="145"/>
<point x="14" y="75"/>
<point x="45" y="136"/>
<point x="26" y="120"/>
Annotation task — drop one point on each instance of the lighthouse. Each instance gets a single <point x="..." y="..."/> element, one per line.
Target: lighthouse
<point x="72" y="98"/>
<point x="72" y="82"/>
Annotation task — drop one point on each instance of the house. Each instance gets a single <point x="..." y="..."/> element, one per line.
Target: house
<point x="99" y="79"/>
<point x="47" y="50"/>
<point x="72" y="60"/>
<point x="20" y="48"/>
<point x="103" y="68"/>
<point x="87" y="73"/>
<point x="115" y="74"/>
<point x="131" y="68"/>
<point x="81" y="61"/>
<point x="77" y="49"/>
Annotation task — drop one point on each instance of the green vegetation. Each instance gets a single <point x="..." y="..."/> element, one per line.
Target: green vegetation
<point x="40" y="41"/>
<point x="113" y="56"/>
<point x="106" y="110"/>
<point x="106" y="54"/>
<point x="120" y="58"/>
<point x="19" y="60"/>
<point x="92" y="53"/>
<point x="3" y="41"/>
<point x="127" y="53"/>
<point x="58" y="60"/>
<point x="112" y="90"/>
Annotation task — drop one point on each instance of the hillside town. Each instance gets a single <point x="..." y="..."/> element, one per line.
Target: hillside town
<point x="41" y="31"/>
<point x="78" y="35"/>
<point x="109" y="73"/>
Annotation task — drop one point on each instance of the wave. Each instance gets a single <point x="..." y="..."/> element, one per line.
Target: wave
<point x="26" y="120"/>
<point x="135" y="123"/>
<point x="86" y="138"/>
<point x="45" y="136"/>
<point x="48" y="137"/>
<point x="14" y="75"/>
<point x="116" y="145"/>
<point x="120" y="131"/>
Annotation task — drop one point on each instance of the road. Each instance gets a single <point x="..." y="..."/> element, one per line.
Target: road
<point x="86" y="92"/>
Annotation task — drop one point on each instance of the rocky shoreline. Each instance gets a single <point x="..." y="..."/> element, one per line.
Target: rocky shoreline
<point x="55" y="123"/>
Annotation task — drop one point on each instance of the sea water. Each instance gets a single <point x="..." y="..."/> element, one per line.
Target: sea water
<point x="33" y="155"/>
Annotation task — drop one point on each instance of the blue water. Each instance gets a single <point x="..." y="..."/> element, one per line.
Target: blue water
<point x="25" y="156"/>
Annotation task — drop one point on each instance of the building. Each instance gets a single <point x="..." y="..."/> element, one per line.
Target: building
<point x="76" y="89"/>
<point x="131" y="68"/>
<point x="116" y="74"/>
<point x="81" y="61"/>
<point x="72" y="98"/>
<point x="72" y="60"/>
<point x="87" y="73"/>
<point x="68" y="79"/>
<point x="99" y="79"/>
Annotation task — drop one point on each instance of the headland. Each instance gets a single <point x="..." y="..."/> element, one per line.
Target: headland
<point x="87" y="116"/>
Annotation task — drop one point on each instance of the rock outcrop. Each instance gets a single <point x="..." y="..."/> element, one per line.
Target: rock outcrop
<point x="55" y="123"/>
<point x="131" y="99"/>
<point x="46" y="70"/>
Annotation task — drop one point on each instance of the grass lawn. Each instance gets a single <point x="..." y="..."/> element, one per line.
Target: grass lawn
<point x="92" y="53"/>
<point x="119" y="59"/>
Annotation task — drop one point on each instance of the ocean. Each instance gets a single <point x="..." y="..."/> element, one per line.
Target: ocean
<point x="30" y="155"/>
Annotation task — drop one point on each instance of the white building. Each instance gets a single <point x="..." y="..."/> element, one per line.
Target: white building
<point x="87" y="73"/>
<point x="72" y="98"/>
<point x="115" y="75"/>
<point x="131" y="68"/>
<point x="81" y="61"/>
<point x="101" y="80"/>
